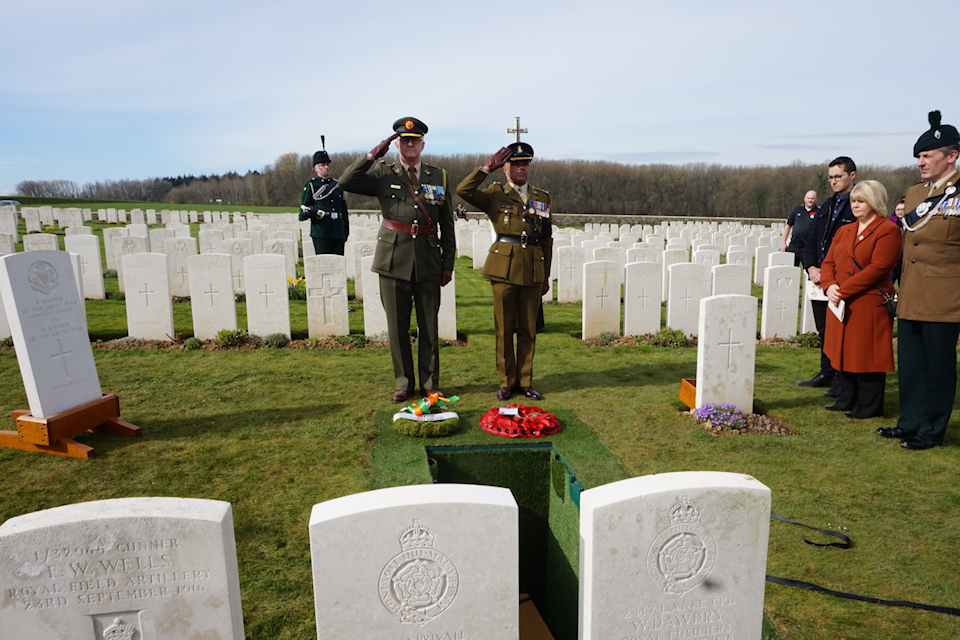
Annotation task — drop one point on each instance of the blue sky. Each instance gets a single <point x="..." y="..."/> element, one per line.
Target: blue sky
<point x="109" y="90"/>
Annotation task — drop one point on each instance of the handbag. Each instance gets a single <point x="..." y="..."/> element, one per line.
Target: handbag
<point x="889" y="299"/>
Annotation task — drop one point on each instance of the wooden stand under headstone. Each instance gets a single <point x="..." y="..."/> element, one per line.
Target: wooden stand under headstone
<point x="54" y="433"/>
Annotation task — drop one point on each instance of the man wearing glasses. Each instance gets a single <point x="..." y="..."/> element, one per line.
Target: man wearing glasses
<point x="833" y="214"/>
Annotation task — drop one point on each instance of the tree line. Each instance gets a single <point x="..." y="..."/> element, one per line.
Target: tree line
<point x="575" y="186"/>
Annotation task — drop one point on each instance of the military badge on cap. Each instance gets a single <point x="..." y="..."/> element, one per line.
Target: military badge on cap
<point x="520" y="151"/>
<point x="410" y="127"/>
<point x="939" y="135"/>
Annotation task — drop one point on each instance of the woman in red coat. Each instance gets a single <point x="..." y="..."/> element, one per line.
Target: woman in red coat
<point x="860" y="347"/>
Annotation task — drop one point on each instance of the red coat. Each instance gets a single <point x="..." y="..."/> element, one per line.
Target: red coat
<point x="863" y="342"/>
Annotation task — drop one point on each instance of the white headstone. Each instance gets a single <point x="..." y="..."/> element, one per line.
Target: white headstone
<point x="674" y="555"/>
<point x="48" y="322"/>
<point x="148" y="303"/>
<point x="361" y="249"/>
<point x="687" y="287"/>
<point x="88" y="247"/>
<point x="326" y="296"/>
<point x="781" y="302"/>
<point x="760" y="263"/>
<point x="481" y="246"/>
<point x="465" y="240"/>
<point x="447" y="314"/>
<point x="422" y="561"/>
<point x="159" y="237"/>
<point x="601" y="298"/>
<point x="128" y="568"/>
<point x="268" y="303"/>
<point x="726" y="351"/>
<point x="286" y="248"/>
<point x="670" y="257"/>
<point x="641" y="303"/>
<point x="213" y="304"/>
<point x="808" y="324"/>
<point x="374" y="316"/>
<point x="40" y="242"/>
<point x="238" y="249"/>
<point x="179" y="249"/>
<point x="569" y="274"/>
<point x="731" y="279"/>
<point x="780" y="259"/>
<point x="124" y="246"/>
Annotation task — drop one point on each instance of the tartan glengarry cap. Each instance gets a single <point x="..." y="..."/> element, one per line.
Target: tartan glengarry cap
<point x="939" y="135"/>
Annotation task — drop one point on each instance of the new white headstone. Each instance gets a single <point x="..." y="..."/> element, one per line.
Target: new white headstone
<point x="726" y="351"/>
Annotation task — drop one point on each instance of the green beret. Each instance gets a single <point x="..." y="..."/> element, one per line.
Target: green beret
<point x="939" y="135"/>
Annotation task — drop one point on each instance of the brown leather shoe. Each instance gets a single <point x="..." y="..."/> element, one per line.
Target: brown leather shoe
<point x="430" y="392"/>
<point x="531" y="393"/>
<point x="399" y="396"/>
<point x="505" y="393"/>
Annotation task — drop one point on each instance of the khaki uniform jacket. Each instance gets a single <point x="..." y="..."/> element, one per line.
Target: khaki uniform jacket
<point x="397" y="253"/>
<point x="506" y="261"/>
<point x="930" y="282"/>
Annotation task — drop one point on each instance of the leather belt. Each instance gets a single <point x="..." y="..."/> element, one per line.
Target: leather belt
<point x="521" y="239"/>
<point x="413" y="229"/>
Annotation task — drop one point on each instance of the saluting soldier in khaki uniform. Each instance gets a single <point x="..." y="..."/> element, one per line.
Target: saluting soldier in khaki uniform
<point x="415" y="248"/>
<point x="928" y="304"/>
<point x="518" y="263"/>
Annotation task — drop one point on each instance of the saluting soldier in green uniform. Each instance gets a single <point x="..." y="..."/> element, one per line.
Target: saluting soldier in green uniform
<point x="324" y="204"/>
<point x="518" y="263"/>
<point x="415" y="248"/>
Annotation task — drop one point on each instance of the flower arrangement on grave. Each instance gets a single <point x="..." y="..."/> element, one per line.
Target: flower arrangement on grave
<point x="297" y="288"/>
<point x="427" y="418"/>
<point x="725" y="416"/>
<point x="519" y="421"/>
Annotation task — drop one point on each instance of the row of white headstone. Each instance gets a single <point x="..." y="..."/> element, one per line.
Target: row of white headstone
<point x="674" y="555"/>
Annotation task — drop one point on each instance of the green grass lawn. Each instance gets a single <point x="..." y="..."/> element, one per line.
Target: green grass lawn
<point x="276" y="431"/>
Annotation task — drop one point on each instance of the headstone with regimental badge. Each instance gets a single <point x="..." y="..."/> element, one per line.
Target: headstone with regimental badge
<point x="422" y="561"/>
<point x="781" y="302"/>
<point x="48" y="323"/>
<point x="674" y="555"/>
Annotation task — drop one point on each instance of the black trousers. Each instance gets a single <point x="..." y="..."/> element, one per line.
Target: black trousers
<point x="820" y="319"/>
<point x="927" y="355"/>
<point x="323" y="246"/>
<point x="862" y="393"/>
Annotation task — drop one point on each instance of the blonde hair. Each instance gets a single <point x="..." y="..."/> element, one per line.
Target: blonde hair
<point x="873" y="193"/>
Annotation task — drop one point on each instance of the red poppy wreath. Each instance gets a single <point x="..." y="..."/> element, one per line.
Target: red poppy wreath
<point x="519" y="421"/>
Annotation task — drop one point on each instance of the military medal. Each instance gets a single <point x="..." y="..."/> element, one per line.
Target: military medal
<point x="540" y="208"/>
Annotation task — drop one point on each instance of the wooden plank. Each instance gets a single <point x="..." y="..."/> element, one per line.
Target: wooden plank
<point x="65" y="447"/>
<point x="45" y="431"/>
<point x="688" y="392"/>
<point x="119" y="427"/>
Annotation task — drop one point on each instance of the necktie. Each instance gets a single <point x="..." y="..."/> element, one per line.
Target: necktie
<point x="413" y="177"/>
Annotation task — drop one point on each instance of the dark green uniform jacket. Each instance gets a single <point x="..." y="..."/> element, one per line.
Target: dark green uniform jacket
<point x="397" y="252"/>
<point x="325" y="195"/>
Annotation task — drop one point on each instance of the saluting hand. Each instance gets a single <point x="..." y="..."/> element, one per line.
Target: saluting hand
<point x="498" y="159"/>
<point x="381" y="149"/>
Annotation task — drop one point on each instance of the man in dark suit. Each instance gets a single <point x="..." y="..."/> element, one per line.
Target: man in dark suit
<point x="928" y="304"/>
<point x="323" y="203"/>
<point x="415" y="248"/>
<point x="833" y="214"/>
<point x="518" y="262"/>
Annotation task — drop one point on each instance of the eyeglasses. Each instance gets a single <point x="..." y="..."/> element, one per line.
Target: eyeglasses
<point x="832" y="178"/>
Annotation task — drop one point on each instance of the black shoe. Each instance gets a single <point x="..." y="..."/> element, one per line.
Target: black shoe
<point x="505" y="393"/>
<point x="818" y="380"/>
<point x="834" y="407"/>
<point x="834" y="390"/>
<point x="854" y="416"/>
<point x="919" y="444"/>
<point x="895" y="432"/>
<point x="531" y="393"/>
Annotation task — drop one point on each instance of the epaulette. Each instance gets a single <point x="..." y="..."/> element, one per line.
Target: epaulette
<point x="541" y="190"/>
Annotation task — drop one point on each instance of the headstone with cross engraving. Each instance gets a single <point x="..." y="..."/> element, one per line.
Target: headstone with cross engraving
<point x="481" y="246"/>
<point x="436" y="561"/>
<point x="149" y="307"/>
<point x="238" y="249"/>
<point x="601" y="298"/>
<point x="726" y="351"/>
<point x="327" y="312"/>
<point x="641" y="300"/>
<point x="674" y="555"/>
<point x="123" y="246"/>
<point x="687" y="286"/>
<point x="121" y="569"/>
<point x="212" y="301"/>
<point x="48" y="323"/>
<point x="178" y="250"/>
<point x="268" y="303"/>
<point x="91" y="272"/>
<point x="781" y="302"/>
<point x="569" y="274"/>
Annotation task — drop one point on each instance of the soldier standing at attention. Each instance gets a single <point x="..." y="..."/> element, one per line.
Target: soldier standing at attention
<point x="415" y="248"/>
<point x="324" y="204"/>
<point x="928" y="304"/>
<point x="518" y="262"/>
